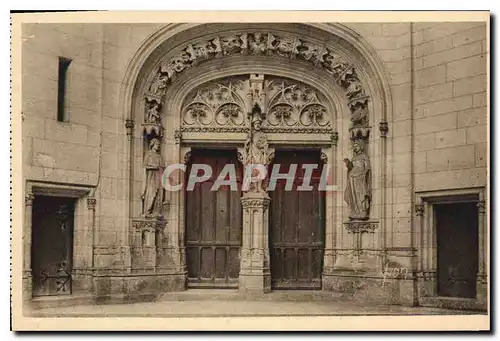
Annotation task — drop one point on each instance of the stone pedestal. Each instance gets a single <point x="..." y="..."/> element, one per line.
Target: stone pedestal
<point x="255" y="273"/>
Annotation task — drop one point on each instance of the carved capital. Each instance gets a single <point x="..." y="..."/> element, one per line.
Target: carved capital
<point x="334" y="138"/>
<point x="28" y="199"/>
<point x="481" y="207"/>
<point x="150" y="224"/>
<point x="361" y="226"/>
<point x="384" y="128"/>
<point x="91" y="202"/>
<point x="177" y="136"/>
<point x="419" y="209"/>
<point x="129" y="126"/>
<point x="255" y="201"/>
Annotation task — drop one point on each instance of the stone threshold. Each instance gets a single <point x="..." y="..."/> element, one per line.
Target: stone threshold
<point x="451" y="303"/>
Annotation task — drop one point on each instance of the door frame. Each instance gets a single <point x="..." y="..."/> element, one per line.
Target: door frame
<point x="426" y="241"/>
<point x="83" y="233"/>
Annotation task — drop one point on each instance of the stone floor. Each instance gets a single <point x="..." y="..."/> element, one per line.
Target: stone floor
<point x="197" y="304"/>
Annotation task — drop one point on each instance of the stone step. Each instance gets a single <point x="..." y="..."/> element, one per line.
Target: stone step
<point x="234" y="295"/>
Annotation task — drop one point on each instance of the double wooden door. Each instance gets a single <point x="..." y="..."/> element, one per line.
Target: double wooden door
<point x="52" y="245"/>
<point x="213" y="224"/>
<point x="297" y="220"/>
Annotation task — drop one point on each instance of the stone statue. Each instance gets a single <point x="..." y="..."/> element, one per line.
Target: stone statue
<point x="152" y="193"/>
<point x="357" y="194"/>
<point x="256" y="148"/>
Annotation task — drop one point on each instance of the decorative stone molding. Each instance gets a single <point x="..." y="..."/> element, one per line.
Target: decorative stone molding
<point x="419" y="209"/>
<point x="384" y="128"/>
<point x="361" y="226"/>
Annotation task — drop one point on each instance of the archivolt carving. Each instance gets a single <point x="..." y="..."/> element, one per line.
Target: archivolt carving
<point x="262" y="43"/>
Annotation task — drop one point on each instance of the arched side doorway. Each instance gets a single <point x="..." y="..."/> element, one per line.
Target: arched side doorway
<point x="258" y="55"/>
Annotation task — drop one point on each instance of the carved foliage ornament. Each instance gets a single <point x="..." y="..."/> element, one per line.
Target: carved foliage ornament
<point x="262" y="43"/>
<point x="219" y="105"/>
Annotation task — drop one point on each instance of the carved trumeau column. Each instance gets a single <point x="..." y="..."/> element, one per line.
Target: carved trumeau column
<point x="255" y="273"/>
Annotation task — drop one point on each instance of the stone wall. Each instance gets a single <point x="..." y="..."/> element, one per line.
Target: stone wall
<point x="450" y="108"/>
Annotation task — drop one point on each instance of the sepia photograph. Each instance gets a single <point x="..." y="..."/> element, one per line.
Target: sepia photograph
<point x="250" y="171"/>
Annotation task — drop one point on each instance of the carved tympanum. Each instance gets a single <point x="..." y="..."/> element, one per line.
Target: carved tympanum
<point x="287" y="106"/>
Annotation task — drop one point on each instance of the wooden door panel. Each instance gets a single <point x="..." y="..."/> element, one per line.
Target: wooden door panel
<point x="52" y="245"/>
<point x="297" y="227"/>
<point x="213" y="226"/>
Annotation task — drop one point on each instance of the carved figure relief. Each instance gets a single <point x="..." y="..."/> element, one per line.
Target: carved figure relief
<point x="357" y="193"/>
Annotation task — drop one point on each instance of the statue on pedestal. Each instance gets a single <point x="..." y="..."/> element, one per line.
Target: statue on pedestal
<point x="256" y="149"/>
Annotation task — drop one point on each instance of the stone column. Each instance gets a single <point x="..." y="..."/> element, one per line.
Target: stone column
<point x="418" y="234"/>
<point x="328" y="159"/>
<point x="27" y="278"/>
<point x="482" y="275"/>
<point x="255" y="273"/>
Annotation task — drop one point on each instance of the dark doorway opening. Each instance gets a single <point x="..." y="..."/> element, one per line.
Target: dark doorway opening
<point x="52" y="245"/>
<point x="457" y="249"/>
